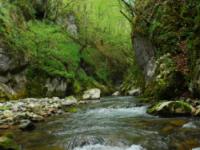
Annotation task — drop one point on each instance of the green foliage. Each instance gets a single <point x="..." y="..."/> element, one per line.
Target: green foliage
<point x="133" y="78"/>
<point x="7" y="143"/>
<point x="104" y="28"/>
<point x="99" y="68"/>
<point x="99" y="55"/>
<point x="168" y="23"/>
<point x="48" y="48"/>
<point x="173" y="27"/>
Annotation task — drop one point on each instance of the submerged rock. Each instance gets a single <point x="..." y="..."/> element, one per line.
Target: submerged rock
<point x="26" y="125"/>
<point x="92" y="94"/>
<point x="80" y="141"/>
<point x="171" y="108"/>
<point x="189" y="125"/>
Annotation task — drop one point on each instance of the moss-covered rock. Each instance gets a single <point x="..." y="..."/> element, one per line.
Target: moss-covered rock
<point x="168" y="82"/>
<point x="171" y="108"/>
<point x="7" y="143"/>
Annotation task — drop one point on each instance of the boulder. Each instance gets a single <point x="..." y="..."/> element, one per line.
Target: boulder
<point x="26" y="125"/>
<point x="171" y="108"/>
<point x="92" y="94"/>
<point x="117" y="93"/>
<point x="68" y="101"/>
<point x="189" y="125"/>
<point x="134" y="92"/>
<point x="71" y="98"/>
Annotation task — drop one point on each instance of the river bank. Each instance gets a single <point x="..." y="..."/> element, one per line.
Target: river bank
<point x="24" y="113"/>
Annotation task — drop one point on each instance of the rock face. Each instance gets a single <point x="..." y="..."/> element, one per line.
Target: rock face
<point x="56" y="86"/>
<point x="195" y="84"/>
<point x="171" y="108"/>
<point x="144" y="52"/>
<point x="12" y="75"/>
<point x="92" y="94"/>
<point x="15" y="83"/>
<point x="71" y="25"/>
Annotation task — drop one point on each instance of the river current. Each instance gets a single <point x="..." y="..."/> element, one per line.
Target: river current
<point x="115" y="123"/>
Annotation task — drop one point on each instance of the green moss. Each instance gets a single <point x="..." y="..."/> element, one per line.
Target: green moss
<point x="8" y="144"/>
<point x="134" y="78"/>
<point x="168" y="83"/>
<point x="2" y="108"/>
<point x="72" y="109"/>
<point x="171" y="108"/>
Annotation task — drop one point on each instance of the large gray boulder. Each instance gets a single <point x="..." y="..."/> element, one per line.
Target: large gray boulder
<point x="94" y="93"/>
<point x="134" y="92"/>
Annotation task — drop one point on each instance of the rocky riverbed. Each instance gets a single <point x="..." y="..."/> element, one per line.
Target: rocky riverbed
<point x="24" y="113"/>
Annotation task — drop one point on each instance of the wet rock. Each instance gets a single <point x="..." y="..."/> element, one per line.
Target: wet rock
<point x="37" y="118"/>
<point x="7" y="143"/>
<point x="171" y="108"/>
<point x="134" y="92"/>
<point x="81" y="141"/>
<point x="92" y="94"/>
<point x="26" y="125"/>
<point x="117" y="93"/>
<point x="189" y="125"/>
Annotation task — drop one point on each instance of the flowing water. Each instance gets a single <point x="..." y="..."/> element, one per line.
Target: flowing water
<point x="116" y="123"/>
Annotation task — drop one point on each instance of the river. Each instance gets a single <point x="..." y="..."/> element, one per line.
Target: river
<point x="116" y="123"/>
